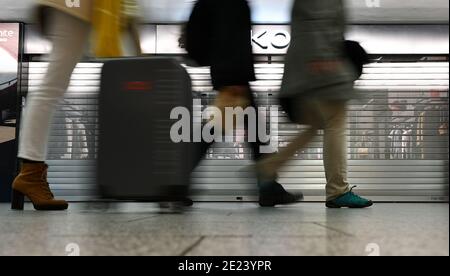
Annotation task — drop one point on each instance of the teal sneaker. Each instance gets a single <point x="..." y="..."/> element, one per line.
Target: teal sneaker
<point x="349" y="200"/>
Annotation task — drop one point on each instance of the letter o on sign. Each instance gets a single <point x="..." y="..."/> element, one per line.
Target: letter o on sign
<point x="281" y="40"/>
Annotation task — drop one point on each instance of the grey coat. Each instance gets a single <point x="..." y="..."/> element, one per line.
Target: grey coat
<point x="318" y="28"/>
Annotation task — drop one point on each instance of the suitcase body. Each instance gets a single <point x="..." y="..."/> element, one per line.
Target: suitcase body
<point x="137" y="159"/>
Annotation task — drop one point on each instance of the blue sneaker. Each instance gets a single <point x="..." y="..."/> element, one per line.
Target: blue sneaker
<point x="349" y="200"/>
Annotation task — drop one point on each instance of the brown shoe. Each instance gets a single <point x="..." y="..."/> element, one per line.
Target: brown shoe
<point x="32" y="183"/>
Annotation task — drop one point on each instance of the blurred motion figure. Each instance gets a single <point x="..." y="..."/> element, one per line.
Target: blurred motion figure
<point x="318" y="82"/>
<point x="69" y="28"/>
<point x="219" y="35"/>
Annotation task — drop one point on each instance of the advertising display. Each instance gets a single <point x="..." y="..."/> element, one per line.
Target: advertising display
<point x="9" y="71"/>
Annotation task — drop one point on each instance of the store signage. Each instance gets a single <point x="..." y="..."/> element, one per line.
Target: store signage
<point x="9" y="51"/>
<point x="271" y="39"/>
<point x="9" y="58"/>
<point x="6" y="34"/>
<point x="266" y="39"/>
<point x="164" y="39"/>
<point x="276" y="39"/>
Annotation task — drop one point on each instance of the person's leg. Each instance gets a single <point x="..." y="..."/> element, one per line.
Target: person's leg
<point x="335" y="148"/>
<point x="338" y="191"/>
<point x="69" y="36"/>
<point x="270" y="166"/>
<point x="255" y="145"/>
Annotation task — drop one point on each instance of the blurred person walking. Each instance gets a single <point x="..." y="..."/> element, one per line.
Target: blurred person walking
<point x="317" y="85"/>
<point x="219" y="36"/>
<point x="68" y="24"/>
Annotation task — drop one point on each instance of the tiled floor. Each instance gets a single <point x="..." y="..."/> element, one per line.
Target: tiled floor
<point x="227" y="229"/>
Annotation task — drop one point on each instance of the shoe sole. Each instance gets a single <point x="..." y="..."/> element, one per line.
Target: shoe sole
<point x="332" y="206"/>
<point x="51" y="208"/>
<point x="18" y="203"/>
<point x="273" y="203"/>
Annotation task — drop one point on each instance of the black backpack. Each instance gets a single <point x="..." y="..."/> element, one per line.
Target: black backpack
<point x="357" y="55"/>
<point x="197" y="37"/>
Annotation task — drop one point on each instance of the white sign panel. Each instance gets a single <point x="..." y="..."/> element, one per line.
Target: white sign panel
<point x="380" y="40"/>
<point x="275" y="39"/>
<point x="266" y="39"/>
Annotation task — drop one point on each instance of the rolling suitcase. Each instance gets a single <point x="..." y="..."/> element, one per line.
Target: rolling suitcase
<point x="137" y="159"/>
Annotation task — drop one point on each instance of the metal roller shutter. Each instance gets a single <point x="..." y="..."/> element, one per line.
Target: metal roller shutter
<point x="398" y="137"/>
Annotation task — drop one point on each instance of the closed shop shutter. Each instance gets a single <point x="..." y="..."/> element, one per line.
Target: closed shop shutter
<point x="398" y="137"/>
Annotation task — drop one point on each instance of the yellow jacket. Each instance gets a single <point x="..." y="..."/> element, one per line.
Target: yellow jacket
<point x="107" y="24"/>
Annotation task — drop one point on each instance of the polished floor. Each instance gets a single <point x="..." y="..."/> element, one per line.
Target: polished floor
<point x="227" y="229"/>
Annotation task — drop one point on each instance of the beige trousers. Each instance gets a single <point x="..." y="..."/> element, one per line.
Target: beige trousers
<point x="329" y="115"/>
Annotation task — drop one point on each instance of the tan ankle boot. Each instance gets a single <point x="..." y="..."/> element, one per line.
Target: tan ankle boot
<point x="32" y="183"/>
